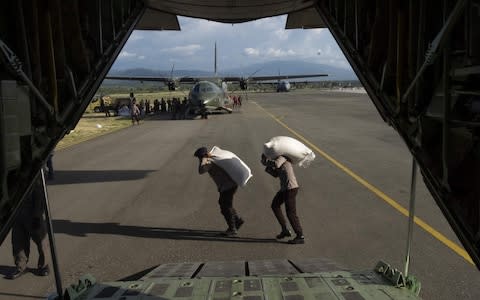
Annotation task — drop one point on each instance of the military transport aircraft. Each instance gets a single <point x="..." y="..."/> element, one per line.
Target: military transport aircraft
<point x="418" y="61"/>
<point x="210" y="93"/>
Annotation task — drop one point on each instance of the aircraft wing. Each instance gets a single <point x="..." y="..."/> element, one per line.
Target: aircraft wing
<point x="280" y="77"/>
<point x="140" y="78"/>
<point x="274" y="77"/>
<point x="196" y="79"/>
<point x="162" y="79"/>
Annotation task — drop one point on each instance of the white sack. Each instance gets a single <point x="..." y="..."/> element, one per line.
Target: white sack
<point x="295" y="150"/>
<point x="232" y="164"/>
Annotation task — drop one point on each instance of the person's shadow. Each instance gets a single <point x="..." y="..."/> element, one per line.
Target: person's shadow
<point x="82" y="229"/>
<point x="88" y="176"/>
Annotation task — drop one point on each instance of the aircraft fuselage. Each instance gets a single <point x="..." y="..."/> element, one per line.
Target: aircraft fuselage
<point x="207" y="94"/>
<point x="283" y="86"/>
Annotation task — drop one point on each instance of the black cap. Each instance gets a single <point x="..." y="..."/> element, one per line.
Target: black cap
<point x="201" y="152"/>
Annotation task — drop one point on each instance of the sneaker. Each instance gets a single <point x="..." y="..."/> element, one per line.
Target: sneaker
<point x="230" y="232"/>
<point x="238" y="223"/>
<point x="43" y="271"/>
<point x="297" y="240"/>
<point x="16" y="273"/>
<point x="284" y="234"/>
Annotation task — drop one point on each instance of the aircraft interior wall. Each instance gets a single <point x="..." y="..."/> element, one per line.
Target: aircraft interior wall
<point x="55" y="55"/>
<point x="419" y="62"/>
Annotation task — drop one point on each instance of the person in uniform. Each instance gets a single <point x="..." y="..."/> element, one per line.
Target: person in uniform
<point x="282" y="168"/>
<point x="226" y="187"/>
<point x="30" y="224"/>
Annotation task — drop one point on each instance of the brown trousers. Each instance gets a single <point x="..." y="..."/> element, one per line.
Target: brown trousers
<point x="289" y="198"/>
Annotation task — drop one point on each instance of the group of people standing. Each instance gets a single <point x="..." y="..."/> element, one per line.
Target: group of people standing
<point x="176" y="107"/>
<point x="280" y="167"/>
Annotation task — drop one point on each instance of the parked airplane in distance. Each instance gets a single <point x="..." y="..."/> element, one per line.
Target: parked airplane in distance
<point x="210" y="93"/>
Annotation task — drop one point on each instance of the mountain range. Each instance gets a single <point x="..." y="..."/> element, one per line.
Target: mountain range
<point x="261" y="69"/>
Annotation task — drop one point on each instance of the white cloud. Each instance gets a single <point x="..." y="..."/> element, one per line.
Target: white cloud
<point x="251" y="52"/>
<point x="141" y="57"/>
<point x="316" y="30"/>
<point x="136" y="36"/>
<point x="281" y="34"/>
<point x="279" y="52"/>
<point x="127" y="54"/>
<point x="183" y="50"/>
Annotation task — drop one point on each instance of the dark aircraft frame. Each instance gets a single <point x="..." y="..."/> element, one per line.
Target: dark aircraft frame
<point x="418" y="60"/>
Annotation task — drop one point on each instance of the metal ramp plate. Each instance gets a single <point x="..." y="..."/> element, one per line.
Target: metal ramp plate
<point x="222" y="269"/>
<point x="271" y="267"/>
<point x="180" y="270"/>
<point x="312" y="286"/>
<point x="316" y="265"/>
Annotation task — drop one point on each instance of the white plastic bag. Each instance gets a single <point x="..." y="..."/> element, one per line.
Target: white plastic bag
<point x="295" y="150"/>
<point x="232" y="164"/>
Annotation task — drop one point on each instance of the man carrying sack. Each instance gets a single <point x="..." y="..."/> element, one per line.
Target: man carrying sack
<point x="282" y="167"/>
<point x="226" y="187"/>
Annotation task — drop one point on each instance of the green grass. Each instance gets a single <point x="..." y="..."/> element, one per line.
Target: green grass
<point x="92" y="125"/>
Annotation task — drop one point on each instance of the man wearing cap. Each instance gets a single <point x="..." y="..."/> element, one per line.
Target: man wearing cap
<point x="281" y="167"/>
<point x="226" y="187"/>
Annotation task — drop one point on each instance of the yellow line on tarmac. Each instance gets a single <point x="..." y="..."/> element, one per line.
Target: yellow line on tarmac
<point x="436" y="234"/>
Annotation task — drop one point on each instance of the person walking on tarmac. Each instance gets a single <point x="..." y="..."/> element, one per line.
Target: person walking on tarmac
<point x="135" y="113"/>
<point x="226" y="187"/>
<point x="282" y="167"/>
<point x="30" y="224"/>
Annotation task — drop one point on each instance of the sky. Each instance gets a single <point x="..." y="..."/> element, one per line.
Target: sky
<point x="238" y="45"/>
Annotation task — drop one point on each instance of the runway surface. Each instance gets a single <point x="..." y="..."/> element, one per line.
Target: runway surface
<point x="133" y="199"/>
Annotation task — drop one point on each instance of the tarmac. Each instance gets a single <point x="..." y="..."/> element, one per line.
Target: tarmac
<point x="133" y="199"/>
